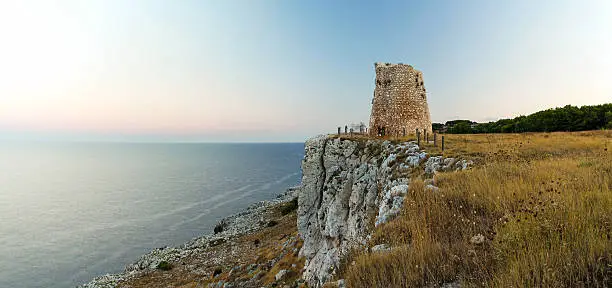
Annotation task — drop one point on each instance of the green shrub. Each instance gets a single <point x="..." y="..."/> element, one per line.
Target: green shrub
<point x="220" y="227"/>
<point x="164" y="266"/>
<point x="289" y="206"/>
<point x="218" y="270"/>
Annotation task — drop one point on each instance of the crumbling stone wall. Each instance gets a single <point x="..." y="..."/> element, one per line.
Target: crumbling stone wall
<point x="400" y="101"/>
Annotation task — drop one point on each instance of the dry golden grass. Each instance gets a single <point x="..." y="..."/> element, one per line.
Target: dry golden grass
<point x="543" y="203"/>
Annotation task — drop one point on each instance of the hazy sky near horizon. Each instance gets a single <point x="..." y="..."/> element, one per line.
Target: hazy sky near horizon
<point x="285" y="70"/>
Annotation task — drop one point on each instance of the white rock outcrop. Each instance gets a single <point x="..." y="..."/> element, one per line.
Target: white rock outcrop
<point x="348" y="187"/>
<point x="438" y="163"/>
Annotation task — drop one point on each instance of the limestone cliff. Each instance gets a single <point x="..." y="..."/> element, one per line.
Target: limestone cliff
<point x="348" y="187"/>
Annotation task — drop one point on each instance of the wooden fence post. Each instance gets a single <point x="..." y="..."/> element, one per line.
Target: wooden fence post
<point x="418" y="138"/>
<point x="435" y="139"/>
<point x="442" y="142"/>
<point x="339" y="130"/>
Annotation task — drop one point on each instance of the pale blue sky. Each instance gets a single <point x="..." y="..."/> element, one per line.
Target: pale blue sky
<point x="285" y="70"/>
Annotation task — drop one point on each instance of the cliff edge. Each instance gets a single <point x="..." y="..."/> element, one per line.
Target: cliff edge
<point x="348" y="187"/>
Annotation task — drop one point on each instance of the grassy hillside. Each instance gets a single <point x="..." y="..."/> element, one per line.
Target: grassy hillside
<point x="536" y="211"/>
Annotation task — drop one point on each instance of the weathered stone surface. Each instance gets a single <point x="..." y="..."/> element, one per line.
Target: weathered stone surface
<point x="281" y="274"/>
<point x="335" y="202"/>
<point x="455" y="284"/>
<point x="393" y="198"/>
<point x="434" y="164"/>
<point x="400" y="101"/>
<point x="439" y="163"/>
<point x="380" y="248"/>
<point x="477" y="239"/>
<point x="431" y="187"/>
<point x="463" y="164"/>
<point x="347" y="186"/>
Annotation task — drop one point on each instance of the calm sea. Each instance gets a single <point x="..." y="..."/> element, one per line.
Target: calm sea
<point x="73" y="211"/>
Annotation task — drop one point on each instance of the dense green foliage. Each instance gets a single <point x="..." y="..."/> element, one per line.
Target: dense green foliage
<point x="568" y="118"/>
<point x="164" y="265"/>
<point x="459" y="122"/>
<point x="437" y="126"/>
<point x="289" y="206"/>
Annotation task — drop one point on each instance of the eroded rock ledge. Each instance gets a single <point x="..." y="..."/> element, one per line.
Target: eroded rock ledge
<point x="349" y="187"/>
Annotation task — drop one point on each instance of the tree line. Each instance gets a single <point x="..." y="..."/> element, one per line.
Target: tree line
<point x="568" y="118"/>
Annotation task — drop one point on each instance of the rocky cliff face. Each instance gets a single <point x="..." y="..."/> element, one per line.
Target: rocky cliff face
<point x="348" y="187"/>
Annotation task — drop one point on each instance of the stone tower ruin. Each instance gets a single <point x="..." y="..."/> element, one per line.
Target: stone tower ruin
<point x="400" y="101"/>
